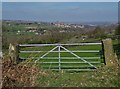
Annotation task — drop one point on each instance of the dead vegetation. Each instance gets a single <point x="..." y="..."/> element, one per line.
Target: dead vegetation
<point x="18" y="75"/>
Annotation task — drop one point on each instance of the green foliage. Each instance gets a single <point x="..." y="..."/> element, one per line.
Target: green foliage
<point x="116" y="46"/>
<point x="104" y="77"/>
<point x="12" y="28"/>
<point x="11" y="35"/>
<point x="98" y="33"/>
<point x="117" y="30"/>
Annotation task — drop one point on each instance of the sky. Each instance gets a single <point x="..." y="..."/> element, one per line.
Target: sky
<point x="61" y="11"/>
<point x="60" y="0"/>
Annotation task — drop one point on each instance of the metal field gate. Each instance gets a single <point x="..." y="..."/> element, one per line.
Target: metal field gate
<point x="73" y="57"/>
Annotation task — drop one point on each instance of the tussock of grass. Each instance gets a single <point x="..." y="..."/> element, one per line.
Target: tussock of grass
<point x="103" y="77"/>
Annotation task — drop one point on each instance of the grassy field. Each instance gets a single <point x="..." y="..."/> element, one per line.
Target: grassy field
<point x="102" y="77"/>
<point x="30" y="75"/>
<point x="35" y="75"/>
<point x="68" y="60"/>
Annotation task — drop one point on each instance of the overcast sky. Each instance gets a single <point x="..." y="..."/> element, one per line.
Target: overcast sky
<point x="61" y="11"/>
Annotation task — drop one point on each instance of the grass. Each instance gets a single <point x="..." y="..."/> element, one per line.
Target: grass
<point x="116" y="46"/>
<point x="53" y="57"/>
<point x="103" y="77"/>
<point x="29" y="75"/>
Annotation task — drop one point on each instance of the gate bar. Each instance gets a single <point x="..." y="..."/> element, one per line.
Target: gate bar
<point x="59" y="57"/>
<point x="22" y="45"/>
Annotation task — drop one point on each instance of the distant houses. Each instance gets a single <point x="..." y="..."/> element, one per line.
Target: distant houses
<point x="42" y="31"/>
<point x="68" y="25"/>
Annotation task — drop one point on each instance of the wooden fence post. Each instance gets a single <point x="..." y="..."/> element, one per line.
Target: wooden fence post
<point x="109" y="54"/>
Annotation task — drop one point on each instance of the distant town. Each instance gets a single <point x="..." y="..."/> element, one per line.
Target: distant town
<point x="30" y="28"/>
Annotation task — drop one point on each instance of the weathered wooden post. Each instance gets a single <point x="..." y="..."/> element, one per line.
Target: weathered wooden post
<point x="109" y="54"/>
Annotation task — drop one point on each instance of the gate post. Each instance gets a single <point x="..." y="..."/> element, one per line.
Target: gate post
<point x="17" y="54"/>
<point x="14" y="53"/>
<point x="108" y="52"/>
<point x="103" y="52"/>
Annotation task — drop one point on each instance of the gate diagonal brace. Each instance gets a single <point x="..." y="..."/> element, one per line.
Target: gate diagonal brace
<point x="67" y="51"/>
<point x="46" y="53"/>
<point x="78" y="56"/>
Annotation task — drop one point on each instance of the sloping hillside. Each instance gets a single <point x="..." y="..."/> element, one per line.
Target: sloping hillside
<point x="26" y="75"/>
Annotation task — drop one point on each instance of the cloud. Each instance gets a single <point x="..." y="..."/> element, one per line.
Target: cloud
<point x="74" y="8"/>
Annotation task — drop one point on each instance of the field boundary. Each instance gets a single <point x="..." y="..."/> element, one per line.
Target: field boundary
<point x="57" y="49"/>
